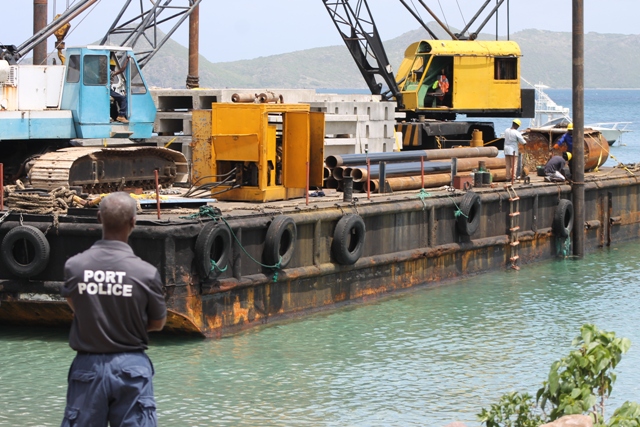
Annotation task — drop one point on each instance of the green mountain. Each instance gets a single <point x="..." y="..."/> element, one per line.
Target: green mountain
<point x="610" y="61"/>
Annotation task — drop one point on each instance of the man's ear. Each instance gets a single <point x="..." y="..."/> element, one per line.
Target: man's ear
<point x="99" y="218"/>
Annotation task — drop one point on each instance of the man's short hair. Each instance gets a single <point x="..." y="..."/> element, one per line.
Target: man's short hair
<point x="117" y="209"/>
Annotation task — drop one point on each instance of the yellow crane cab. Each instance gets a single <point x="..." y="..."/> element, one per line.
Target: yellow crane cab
<point x="483" y="78"/>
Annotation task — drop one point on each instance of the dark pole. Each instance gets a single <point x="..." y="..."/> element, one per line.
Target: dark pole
<point x="193" y="77"/>
<point x="578" y="127"/>
<point x="497" y="13"/>
<point x="508" y="19"/>
<point x="382" y="174"/>
<point x="39" y="22"/>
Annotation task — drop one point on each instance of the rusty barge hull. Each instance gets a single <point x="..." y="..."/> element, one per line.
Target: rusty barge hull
<point x="409" y="241"/>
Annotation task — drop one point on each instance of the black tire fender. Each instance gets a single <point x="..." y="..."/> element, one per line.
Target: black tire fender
<point x="563" y="218"/>
<point x="280" y="241"/>
<point x="25" y="251"/>
<point x="348" y="239"/>
<point x="212" y="244"/>
<point x="471" y="208"/>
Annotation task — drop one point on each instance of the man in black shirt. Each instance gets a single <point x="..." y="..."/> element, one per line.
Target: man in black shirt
<point x="554" y="167"/>
<point x="116" y="298"/>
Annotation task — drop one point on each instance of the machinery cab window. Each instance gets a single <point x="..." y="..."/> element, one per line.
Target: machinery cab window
<point x="73" y="69"/>
<point x="95" y="70"/>
<point x="506" y="68"/>
<point x="137" y="84"/>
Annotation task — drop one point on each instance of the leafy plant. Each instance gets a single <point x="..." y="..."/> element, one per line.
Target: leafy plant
<point x="628" y="415"/>
<point x="513" y="410"/>
<point x="579" y="383"/>
<point x="582" y="381"/>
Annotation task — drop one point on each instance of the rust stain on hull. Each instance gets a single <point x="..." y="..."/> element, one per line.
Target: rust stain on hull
<point x="48" y="313"/>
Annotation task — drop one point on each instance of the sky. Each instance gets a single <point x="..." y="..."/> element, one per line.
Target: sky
<point x="233" y="30"/>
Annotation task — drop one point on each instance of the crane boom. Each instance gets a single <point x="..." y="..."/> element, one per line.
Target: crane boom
<point x="13" y="54"/>
<point x="359" y="32"/>
<point x="141" y="32"/>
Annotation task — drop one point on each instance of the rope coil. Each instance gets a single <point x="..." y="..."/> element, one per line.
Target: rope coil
<point x="56" y="201"/>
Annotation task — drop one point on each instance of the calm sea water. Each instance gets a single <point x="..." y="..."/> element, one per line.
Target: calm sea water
<point x="423" y="357"/>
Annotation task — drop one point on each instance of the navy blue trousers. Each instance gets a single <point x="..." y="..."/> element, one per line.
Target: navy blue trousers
<point x="122" y="103"/>
<point x="110" y="388"/>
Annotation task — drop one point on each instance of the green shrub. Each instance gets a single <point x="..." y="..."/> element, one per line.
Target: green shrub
<point x="579" y="383"/>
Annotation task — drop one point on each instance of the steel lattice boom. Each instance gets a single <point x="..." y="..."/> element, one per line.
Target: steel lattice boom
<point x="359" y="32"/>
<point x="141" y="31"/>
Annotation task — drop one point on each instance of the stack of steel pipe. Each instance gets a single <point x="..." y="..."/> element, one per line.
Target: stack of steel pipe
<point x="436" y="165"/>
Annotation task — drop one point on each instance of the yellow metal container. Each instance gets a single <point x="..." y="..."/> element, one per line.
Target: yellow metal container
<point x="259" y="152"/>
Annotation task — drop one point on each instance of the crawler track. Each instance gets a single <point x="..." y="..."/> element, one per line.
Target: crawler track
<point x="99" y="170"/>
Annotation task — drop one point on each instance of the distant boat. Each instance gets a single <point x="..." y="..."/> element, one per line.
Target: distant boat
<point x="549" y="115"/>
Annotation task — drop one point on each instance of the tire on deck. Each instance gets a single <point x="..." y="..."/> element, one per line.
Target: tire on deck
<point x="563" y="218"/>
<point x="280" y="242"/>
<point x="348" y="239"/>
<point x="471" y="208"/>
<point x="213" y="247"/>
<point x="25" y="251"/>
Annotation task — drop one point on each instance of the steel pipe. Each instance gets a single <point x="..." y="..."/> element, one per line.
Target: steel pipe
<point x="193" y="75"/>
<point x="398" y="169"/>
<point x="270" y="97"/>
<point x="415" y="155"/>
<point x="39" y="23"/>
<point x="405" y="183"/>
<point x="73" y="11"/>
<point x="414" y="168"/>
<point x="327" y="172"/>
<point x="578" y="126"/>
<point x="338" y="173"/>
<point x="331" y="182"/>
<point x="244" y="97"/>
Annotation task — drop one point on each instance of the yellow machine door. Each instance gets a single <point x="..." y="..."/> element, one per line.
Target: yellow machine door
<point x="316" y="153"/>
<point x="295" y="149"/>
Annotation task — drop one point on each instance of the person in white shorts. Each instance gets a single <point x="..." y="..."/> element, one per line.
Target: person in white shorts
<point x="512" y="137"/>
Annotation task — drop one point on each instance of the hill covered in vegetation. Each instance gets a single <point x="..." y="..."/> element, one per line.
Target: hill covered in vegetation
<point x="610" y="61"/>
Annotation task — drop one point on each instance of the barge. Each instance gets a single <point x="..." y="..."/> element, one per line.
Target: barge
<point x="228" y="266"/>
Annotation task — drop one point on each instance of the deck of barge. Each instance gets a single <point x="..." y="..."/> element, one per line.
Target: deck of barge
<point x="332" y="197"/>
<point x="412" y="238"/>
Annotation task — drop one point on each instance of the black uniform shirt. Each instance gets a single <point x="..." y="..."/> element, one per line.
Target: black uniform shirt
<point x="114" y="294"/>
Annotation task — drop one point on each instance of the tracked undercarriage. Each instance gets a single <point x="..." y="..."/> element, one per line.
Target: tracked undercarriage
<point x="100" y="170"/>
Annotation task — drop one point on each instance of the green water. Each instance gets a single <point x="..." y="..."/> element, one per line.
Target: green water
<point x="425" y="357"/>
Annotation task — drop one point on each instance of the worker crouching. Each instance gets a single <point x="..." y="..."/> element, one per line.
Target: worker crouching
<point x="555" y="170"/>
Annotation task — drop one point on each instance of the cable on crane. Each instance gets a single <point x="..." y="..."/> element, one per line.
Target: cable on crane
<point x="416" y="9"/>
<point x="461" y="14"/>
<point x="443" y="15"/>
